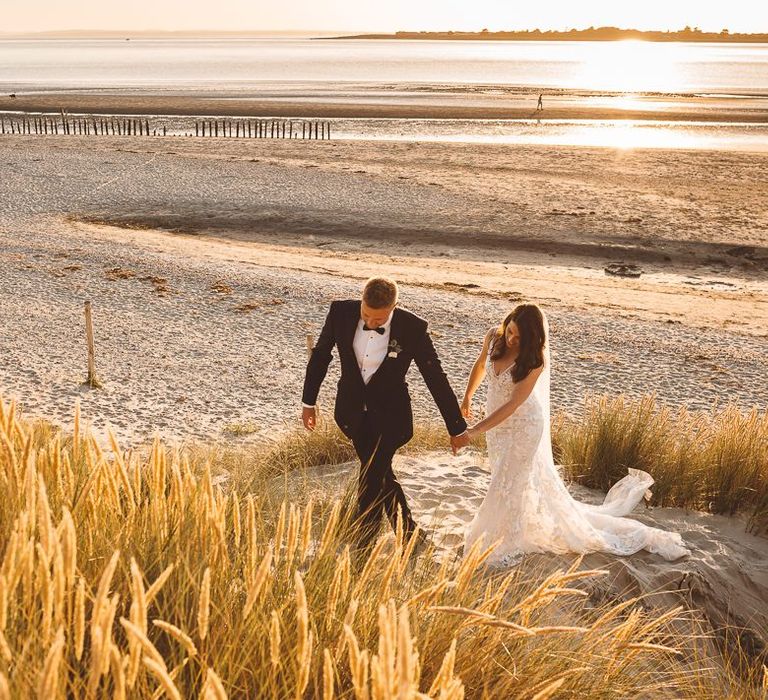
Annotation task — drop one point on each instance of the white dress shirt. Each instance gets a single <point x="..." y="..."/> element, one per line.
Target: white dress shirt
<point x="370" y="349"/>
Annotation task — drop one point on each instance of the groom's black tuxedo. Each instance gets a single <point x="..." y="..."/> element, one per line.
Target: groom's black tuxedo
<point x="377" y="416"/>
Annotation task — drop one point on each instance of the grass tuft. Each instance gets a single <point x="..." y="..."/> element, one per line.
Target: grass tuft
<point x="712" y="461"/>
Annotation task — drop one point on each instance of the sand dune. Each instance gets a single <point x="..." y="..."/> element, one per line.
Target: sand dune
<point x="725" y="578"/>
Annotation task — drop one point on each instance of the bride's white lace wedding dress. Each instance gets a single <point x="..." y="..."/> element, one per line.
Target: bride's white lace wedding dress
<point x="528" y="507"/>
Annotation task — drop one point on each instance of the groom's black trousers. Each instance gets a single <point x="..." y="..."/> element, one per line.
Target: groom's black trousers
<point x="378" y="489"/>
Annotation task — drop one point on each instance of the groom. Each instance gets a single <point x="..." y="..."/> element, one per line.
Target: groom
<point x="376" y="343"/>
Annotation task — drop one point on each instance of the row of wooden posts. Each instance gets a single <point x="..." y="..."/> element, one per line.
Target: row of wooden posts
<point x="81" y="126"/>
<point x="261" y="129"/>
<point x="111" y="126"/>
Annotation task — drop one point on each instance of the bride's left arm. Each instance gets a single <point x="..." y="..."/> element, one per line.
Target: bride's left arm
<point x="521" y="391"/>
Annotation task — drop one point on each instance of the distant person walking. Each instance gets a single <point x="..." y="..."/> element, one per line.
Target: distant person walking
<point x="540" y="104"/>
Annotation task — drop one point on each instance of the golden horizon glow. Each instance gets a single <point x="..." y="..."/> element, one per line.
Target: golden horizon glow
<point x="351" y="15"/>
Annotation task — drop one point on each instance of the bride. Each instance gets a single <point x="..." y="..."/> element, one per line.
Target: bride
<point x="528" y="507"/>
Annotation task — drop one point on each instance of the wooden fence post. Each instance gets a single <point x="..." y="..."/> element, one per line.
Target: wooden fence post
<point x="92" y="381"/>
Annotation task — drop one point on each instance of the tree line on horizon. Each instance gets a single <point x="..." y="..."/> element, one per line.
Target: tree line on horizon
<point x="590" y="34"/>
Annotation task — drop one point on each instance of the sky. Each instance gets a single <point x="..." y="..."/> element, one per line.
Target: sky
<point x="379" y="16"/>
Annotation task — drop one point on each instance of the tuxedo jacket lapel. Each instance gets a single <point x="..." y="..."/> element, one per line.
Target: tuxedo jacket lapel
<point x="350" y="328"/>
<point x="395" y="334"/>
<point x="347" y="336"/>
<point x="395" y="338"/>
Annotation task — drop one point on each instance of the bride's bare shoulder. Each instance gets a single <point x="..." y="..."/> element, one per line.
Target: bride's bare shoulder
<point x="489" y="338"/>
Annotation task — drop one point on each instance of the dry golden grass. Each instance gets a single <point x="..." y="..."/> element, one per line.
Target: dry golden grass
<point x="713" y="461"/>
<point x="248" y="598"/>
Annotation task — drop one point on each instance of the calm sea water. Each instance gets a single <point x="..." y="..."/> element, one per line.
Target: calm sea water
<point x="433" y="72"/>
<point x="254" y="64"/>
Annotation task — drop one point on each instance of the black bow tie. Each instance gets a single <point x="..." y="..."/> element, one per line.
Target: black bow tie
<point x="380" y="330"/>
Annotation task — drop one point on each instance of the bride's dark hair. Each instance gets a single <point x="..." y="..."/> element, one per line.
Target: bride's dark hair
<point x="530" y="324"/>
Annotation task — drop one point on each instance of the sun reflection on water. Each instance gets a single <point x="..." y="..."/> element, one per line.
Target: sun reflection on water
<point x="629" y="135"/>
<point x="618" y="134"/>
<point x="631" y="66"/>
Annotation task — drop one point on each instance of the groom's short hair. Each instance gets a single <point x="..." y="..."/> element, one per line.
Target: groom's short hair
<point x="380" y="292"/>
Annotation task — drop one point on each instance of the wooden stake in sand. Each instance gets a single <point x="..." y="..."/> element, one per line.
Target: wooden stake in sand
<point x="310" y="346"/>
<point x="92" y="381"/>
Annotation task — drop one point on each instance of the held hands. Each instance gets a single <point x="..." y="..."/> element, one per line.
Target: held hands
<point x="309" y="417"/>
<point x="459" y="441"/>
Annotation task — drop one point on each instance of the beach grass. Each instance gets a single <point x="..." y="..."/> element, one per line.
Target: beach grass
<point x="140" y="574"/>
<point x="714" y="461"/>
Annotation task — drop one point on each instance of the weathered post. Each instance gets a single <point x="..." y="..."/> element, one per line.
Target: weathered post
<point x="91" y="379"/>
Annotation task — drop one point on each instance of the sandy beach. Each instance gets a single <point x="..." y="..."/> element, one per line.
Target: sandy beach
<point x="395" y="102"/>
<point x="209" y="261"/>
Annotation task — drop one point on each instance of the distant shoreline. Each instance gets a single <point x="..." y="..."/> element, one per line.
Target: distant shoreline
<point x="599" y="34"/>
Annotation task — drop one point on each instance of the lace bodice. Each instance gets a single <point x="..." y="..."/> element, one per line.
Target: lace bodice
<point x="500" y="389"/>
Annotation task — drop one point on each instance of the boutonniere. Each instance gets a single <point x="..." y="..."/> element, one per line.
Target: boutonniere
<point x="394" y="348"/>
